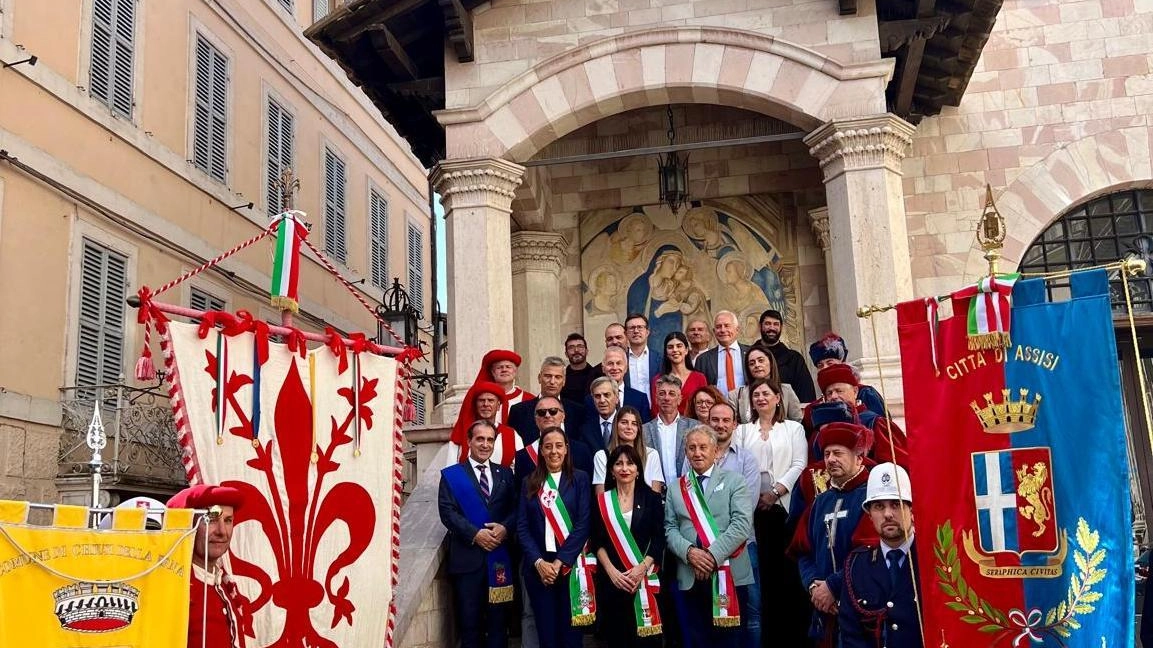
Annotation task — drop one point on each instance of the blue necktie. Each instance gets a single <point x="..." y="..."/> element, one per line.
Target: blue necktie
<point x="606" y="432"/>
<point x="894" y="558"/>
<point x="484" y="489"/>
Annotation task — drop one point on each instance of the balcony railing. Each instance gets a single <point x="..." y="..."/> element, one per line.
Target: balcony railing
<point x="142" y="453"/>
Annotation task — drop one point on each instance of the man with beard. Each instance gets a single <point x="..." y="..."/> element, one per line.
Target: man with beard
<point x="833" y="525"/>
<point x="878" y="605"/>
<point x="579" y="374"/>
<point x="698" y="334"/>
<point x="790" y="363"/>
<point x="552" y="380"/>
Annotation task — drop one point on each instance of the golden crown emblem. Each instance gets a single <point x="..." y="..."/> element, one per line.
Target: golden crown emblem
<point x="1009" y="414"/>
<point x="96" y="607"/>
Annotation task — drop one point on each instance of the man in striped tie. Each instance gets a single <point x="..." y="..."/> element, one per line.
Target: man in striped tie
<point x="477" y="503"/>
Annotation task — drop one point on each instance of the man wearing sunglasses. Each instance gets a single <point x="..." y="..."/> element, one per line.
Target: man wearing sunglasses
<point x="522" y="416"/>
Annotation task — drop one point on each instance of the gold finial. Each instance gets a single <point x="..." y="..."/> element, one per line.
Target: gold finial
<point x="289" y="184"/>
<point x="991" y="231"/>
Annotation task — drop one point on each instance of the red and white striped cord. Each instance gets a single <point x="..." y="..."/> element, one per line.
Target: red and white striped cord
<point x="270" y="230"/>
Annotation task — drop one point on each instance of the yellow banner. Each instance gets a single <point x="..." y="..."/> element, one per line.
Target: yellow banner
<point x="67" y="586"/>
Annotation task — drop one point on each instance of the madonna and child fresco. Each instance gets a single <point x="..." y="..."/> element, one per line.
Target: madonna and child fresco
<point x="675" y="269"/>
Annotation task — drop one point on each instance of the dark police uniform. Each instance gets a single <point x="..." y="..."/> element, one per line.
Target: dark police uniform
<point x="878" y="607"/>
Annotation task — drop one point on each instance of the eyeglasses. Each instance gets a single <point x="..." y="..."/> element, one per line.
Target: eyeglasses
<point x="552" y="411"/>
<point x="636" y="327"/>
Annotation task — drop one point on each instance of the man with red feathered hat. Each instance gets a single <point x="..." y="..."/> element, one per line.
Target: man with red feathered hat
<point x="483" y="401"/>
<point x="218" y="616"/>
<point x="500" y="366"/>
<point x="833" y="525"/>
<point x="839" y="382"/>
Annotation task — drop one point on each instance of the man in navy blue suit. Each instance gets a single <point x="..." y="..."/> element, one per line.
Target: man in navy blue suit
<point x="878" y="603"/>
<point x="522" y="416"/>
<point x="615" y="365"/>
<point x="644" y="365"/>
<point x="596" y="429"/>
<point x="477" y="503"/>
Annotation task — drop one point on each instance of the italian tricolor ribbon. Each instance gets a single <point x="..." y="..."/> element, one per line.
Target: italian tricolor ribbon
<point x="533" y="451"/>
<point x="726" y="610"/>
<point x="990" y="303"/>
<point x="582" y="593"/>
<point x="645" y="610"/>
<point x="286" y="263"/>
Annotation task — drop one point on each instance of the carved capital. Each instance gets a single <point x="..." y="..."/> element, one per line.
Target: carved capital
<point x="819" y="219"/>
<point x="874" y="142"/>
<point x="488" y="182"/>
<point x="538" y="252"/>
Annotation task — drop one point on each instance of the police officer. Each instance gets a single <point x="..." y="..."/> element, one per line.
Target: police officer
<point x="878" y="606"/>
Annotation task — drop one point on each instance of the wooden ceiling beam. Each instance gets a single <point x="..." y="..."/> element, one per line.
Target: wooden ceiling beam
<point x="392" y="53"/>
<point x="458" y="29"/>
<point x="346" y="25"/>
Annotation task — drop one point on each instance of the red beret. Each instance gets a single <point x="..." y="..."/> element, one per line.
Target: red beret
<point x="838" y="373"/>
<point x="857" y="438"/>
<point x="496" y="355"/>
<point x="203" y="496"/>
<point x="485" y="387"/>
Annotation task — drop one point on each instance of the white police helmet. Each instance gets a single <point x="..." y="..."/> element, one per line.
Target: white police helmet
<point x="888" y="481"/>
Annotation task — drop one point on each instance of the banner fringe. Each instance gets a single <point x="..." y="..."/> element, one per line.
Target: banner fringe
<point x="993" y="340"/>
<point x="500" y="594"/>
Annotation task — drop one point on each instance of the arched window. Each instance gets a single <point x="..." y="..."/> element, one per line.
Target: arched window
<point x="1102" y="230"/>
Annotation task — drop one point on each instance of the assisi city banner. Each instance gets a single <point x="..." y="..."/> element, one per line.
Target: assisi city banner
<point x="67" y="586"/>
<point x="1019" y="467"/>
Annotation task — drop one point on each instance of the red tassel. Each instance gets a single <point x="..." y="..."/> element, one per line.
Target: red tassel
<point x="409" y="412"/>
<point x="145" y="370"/>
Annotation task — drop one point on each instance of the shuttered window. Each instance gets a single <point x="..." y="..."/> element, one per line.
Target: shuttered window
<point x="100" y="347"/>
<point x="319" y="9"/>
<point x="205" y="301"/>
<point x="113" y="39"/>
<point x="378" y="243"/>
<point x="416" y="268"/>
<point x="335" y="236"/>
<point x="287" y="4"/>
<point x="419" y="405"/>
<point x="210" y="112"/>
<point x="280" y="132"/>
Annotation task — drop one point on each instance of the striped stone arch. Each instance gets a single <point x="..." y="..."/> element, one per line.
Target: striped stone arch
<point x="656" y="67"/>
<point x="1087" y="168"/>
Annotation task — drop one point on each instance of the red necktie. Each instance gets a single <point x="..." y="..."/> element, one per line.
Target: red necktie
<point x="730" y="380"/>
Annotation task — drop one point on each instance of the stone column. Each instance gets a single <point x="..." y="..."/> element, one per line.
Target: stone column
<point x="819" y="221"/>
<point x="868" y="256"/>
<point x="477" y="197"/>
<point x="537" y="258"/>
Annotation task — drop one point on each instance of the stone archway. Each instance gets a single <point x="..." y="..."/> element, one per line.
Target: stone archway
<point x="656" y="67"/>
<point x="1085" y="169"/>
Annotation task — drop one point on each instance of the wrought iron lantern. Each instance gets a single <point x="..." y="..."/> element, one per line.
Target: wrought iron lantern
<point x="673" y="169"/>
<point x="397" y="310"/>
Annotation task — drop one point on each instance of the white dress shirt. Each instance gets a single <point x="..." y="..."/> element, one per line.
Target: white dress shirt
<point x="906" y="546"/>
<point x="738" y="367"/>
<point x="667" y="436"/>
<point x="487" y="469"/>
<point x="639" y="377"/>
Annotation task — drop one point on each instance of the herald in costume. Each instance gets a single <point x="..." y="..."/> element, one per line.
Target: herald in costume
<point x="500" y="366"/>
<point x="878" y="605"/>
<point x="830" y="350"/>
<point x="218" y="616"/>
<point x="833" y="525"/>
<point x="483" y="401"/>
<point x="839" y="382"/>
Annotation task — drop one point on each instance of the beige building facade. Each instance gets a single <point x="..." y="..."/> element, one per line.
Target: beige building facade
<point x="147" y="138"/>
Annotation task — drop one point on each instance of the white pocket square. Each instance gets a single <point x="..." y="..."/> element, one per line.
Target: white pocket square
<point x="720" y="487"/>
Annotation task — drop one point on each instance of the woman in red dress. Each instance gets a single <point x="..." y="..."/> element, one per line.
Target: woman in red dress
<point x="677" y="362"/>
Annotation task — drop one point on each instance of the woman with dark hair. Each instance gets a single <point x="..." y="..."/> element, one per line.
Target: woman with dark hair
<point x="676" y="362"/>
<point x="553" y="528"/>
<point x="702" y="401"/>
<point x="760" y="364"/>
<point x="627" y="432"/>
<point x="779" y="447"/>
<point x="629" y="539"/>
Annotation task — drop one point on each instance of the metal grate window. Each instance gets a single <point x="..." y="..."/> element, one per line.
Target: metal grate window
<point x="416" y="268"/>
<point x="113" y="43"/>
<point x="210" y="112"/>
<point x="378" y="243"/>
<point x="335" y="233"/>
<point x="1101" y="231"/>
<point x="280" y="132"/>
<point x="100" y="347"/>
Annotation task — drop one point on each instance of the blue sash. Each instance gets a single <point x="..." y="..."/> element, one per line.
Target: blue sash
<point x="465" y="490"/>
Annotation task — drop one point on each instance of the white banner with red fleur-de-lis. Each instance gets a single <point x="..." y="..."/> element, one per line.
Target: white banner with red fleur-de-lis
<point x="311" y="438"/>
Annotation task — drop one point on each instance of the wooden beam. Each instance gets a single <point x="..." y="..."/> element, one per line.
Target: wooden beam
<point x="345" y="25"/>
<point x="895" y="34"/>
<point x="848" y="7"/>
<point x="910" y="69"/>
<point x="392" y="53"/>
<point x="458" y="29"/>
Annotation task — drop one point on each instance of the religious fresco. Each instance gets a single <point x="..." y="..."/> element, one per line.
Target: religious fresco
<point x="677" y="268"/>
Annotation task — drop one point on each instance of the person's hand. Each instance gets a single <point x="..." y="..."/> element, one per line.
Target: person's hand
<point x="619" y="579"/>
<point x="498" y="531"/>
<point x="486" y="539"/>
<point x="767" y="501"/>
<point x="547" y="571"/>
<point x="637" y="575"/>
<point x="822" y="598"/>
<point x="702" y="563"/>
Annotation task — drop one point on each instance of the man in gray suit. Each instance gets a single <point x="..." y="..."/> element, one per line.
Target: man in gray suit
<point x="706" y="558"/>
<point x="666" y="432"/>
<point x="724" y="364"/>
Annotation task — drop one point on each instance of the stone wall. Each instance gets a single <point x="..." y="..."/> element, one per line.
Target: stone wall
<point x="1058" y="111"/>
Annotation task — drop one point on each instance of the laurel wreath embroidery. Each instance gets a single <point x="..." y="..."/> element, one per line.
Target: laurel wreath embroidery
<point x="1059" y="622"/>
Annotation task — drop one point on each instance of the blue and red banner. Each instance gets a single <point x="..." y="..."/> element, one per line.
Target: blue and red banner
<point x="1020" y="474"/>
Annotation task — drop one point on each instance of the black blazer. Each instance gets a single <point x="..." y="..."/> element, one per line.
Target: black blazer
<point x="582" y="459"/>
<point x="647" y="525"/>
<point x="522" y="418"/>
<point x="633" y="398"/>
<point x="463" y="555"/>
<point x="706" y="363"/>
<point x="576" y="493"/>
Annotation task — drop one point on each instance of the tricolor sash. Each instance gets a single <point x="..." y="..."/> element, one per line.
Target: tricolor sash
<point x="468" y="496"/>
<point x="582" y="593"/>
<point x="645" y="610"/>
<point x="533" y="451"/>
<point x="726" y="612"/>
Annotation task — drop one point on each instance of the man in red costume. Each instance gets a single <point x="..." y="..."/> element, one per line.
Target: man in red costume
<point x="500" y="366"/>
<point x="483" y="401"/>
<point x="218" y="615"/>
<point x="839" y="382"/>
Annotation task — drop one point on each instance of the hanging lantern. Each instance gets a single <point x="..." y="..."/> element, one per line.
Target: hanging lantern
<point x="673" y="169"/>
